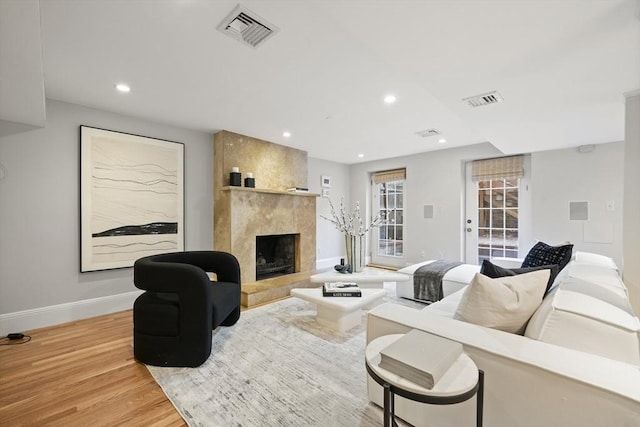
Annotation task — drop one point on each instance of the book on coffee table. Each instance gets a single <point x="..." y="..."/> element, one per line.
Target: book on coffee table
<point x="341" y="289"/>
<point x="420" y="357"/>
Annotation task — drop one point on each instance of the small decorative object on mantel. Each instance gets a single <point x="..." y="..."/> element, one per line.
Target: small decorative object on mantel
<point x="354" y="229"/>
<point x="235" y="178"/>
<point x="250" y="181"/>
<point x="298" y="190"/>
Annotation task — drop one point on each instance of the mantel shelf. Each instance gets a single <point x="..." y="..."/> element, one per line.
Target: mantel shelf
<point x="264" y="190"/>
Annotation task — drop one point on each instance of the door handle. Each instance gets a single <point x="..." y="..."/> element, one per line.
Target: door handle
<point x="469" y="230"/>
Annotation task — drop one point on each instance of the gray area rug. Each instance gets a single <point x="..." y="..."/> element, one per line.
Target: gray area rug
<point x="276" y="367"/>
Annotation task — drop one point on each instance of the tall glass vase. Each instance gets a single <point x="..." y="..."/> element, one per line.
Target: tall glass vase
<point x="355" y="252"/>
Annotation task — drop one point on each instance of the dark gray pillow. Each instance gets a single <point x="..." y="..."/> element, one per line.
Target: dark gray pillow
<point x="543" y="254"/>
<point x="491" y="270"/>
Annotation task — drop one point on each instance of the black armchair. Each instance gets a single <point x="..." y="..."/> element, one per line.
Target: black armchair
<point x="173" y="319"/>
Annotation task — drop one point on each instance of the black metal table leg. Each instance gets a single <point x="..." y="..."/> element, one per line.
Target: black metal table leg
<point x="388" y="406"/>
<point x="480" y="398"/>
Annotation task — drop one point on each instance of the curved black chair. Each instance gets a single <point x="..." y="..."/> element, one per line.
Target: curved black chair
<point x="173" y="319"/>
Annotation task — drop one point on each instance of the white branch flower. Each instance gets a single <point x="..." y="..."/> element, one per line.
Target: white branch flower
<point x="352" y="224"/>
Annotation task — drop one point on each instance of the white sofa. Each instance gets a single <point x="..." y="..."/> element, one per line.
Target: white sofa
<point x="578" y="363"/>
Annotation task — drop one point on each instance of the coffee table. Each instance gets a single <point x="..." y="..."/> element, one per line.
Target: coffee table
<point x="368" y="278"/>
<point x="339" y="313"/>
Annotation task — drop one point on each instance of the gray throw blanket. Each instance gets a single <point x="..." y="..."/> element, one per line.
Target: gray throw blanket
<point x="427" y="280"/>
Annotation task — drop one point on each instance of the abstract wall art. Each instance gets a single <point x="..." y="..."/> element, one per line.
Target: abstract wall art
<point x="131" y="198"/>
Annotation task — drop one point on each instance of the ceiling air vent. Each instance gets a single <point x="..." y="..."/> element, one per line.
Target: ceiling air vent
<point x="427" y="133"/>
<point x="484" y="99"/>
<point x="247" y="27"/>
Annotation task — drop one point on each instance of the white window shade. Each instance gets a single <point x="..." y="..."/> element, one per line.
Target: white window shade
<point x="499" y="168"/>
<point x="390" y="175"/>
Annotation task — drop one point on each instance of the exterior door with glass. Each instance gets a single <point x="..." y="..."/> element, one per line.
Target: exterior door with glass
<point x="388" y="196"/>
<point x="497" y="211"/>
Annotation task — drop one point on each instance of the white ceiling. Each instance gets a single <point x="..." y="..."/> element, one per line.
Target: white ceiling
<point x="562" y="67"/>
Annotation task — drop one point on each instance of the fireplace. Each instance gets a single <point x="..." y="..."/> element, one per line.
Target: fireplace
<point x="241" y="213"/>
<point x="275" y="255"/>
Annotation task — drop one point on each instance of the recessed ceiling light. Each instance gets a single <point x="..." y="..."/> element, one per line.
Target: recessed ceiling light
<point x="442" y="141"/>
<point x="286" y="134"/>
<point x="390" y="99"/>
<point x="360" y="155"/>
<point x="123" y="87"/>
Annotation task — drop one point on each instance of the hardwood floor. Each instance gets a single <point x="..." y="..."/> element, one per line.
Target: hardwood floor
<point x="81" y="374"/>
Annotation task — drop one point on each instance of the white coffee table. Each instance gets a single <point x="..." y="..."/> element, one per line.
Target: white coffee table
<point x="368" y="278"/>
<point x="339" y="313"/>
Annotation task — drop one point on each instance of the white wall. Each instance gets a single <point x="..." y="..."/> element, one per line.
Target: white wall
<point x="560" y="176"/>
<point x="330" y="242"/>
<point x="557" y="177"/>
<point x="632" y="199"/>
<point x="435" y="178"/>
<point x="39" y="208"/>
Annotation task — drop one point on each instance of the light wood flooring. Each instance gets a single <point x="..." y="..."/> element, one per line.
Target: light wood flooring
<point x="81" y="374"/>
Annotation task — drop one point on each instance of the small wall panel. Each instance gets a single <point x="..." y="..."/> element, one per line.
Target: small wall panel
<point x="578" y="211"/>
<point x="428" y="211"/>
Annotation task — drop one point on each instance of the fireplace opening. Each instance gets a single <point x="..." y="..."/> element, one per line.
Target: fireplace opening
<point x="275" y="255"/>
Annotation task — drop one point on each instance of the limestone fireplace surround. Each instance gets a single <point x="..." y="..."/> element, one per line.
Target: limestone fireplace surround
<point x="241" y="214"/>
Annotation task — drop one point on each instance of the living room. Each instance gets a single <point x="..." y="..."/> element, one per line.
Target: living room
<point x="40" y="279"/>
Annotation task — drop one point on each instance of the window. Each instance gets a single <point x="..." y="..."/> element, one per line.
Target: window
<point x="391" y="206"/>
<point x="388" y="195"/>
<point x="498" y="218"/>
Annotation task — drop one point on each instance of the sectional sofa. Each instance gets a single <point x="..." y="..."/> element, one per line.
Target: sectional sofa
<point x="575" y="363"/>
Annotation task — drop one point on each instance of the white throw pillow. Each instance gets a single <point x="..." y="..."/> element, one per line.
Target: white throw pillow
<point x="505" y="303"/>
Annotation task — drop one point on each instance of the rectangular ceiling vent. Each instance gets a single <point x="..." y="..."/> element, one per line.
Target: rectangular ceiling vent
<point x="484" y="99"/>
<point x="427" y="133"/>
<point x="247" y="27"/>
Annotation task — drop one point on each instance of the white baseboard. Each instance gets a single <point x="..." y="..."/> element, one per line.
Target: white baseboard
<point x="21" y="321"/>
<point x="327" y="263"/>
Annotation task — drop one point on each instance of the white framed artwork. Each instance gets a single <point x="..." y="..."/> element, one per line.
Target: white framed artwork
<point x="131" y="198"/>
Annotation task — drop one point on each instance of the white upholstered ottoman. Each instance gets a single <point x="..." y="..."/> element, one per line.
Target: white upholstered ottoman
<point x="453" y="280"/>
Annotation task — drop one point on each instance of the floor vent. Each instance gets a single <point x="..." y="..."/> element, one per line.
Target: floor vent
<point x="247" y="27"/>
<point x="427" y="133"/>
<point x="484" y="99"/>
